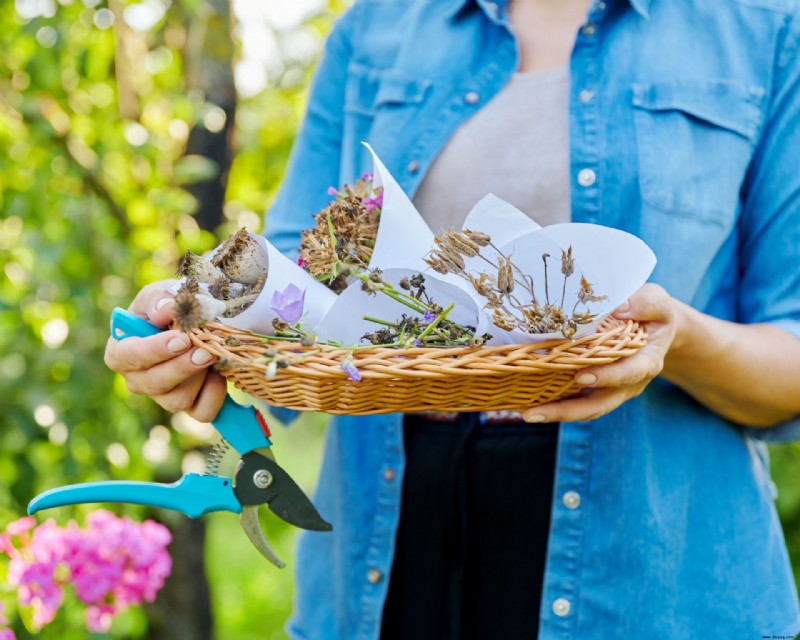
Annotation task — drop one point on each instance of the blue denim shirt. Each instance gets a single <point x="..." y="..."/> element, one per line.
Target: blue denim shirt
<point x="684" y="130"/>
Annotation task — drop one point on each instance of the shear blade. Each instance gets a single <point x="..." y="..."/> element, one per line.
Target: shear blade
<point x="252" y="528"/>
<point x="282" y="494"/>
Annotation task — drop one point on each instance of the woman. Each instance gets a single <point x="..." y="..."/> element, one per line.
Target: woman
<point x="651" y="514"/>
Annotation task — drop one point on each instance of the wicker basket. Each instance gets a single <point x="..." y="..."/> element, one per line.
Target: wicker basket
<point x="510" y="377"/>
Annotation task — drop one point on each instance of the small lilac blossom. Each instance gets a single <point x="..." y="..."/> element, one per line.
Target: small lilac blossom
<point x="367" y="177"/>
<point x="418" y="342"/>
<point x="374" y="202"/>
<point x="349" y="367"/>
<point x="333" y="191"/>
<point x="288" y="304"/>
<point x="429" y="316"/>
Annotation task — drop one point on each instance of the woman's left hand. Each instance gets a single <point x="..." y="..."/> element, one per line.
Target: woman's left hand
<point x="607" y="386"/>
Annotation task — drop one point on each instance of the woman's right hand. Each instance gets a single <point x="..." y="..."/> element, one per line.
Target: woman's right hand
<point x="166" y="366"/>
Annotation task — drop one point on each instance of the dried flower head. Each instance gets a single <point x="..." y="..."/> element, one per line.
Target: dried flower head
<point x="241" y="258"/>
<point x="344" y="233"/>
<point x="194" y="266"/>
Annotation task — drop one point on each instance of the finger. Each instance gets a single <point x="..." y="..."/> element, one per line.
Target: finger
<point x="649" y="303"/>
<point x="209" y="401"/>
<point x="584" y="407"/>
<point x="641" y="367"/>
<point x="140" y="354"/>
<point x="183" y="396"/>
<point x="155" y="303"/>
<point x="162" y="378"/>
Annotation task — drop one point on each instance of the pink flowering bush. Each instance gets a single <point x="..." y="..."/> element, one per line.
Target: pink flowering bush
<point x="112" y="563"/>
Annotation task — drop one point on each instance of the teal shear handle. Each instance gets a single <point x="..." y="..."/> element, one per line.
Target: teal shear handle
<point x="193" y="495"/>
<point x="239" y="425"/>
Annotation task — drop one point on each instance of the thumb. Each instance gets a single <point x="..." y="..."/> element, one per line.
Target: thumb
<point x="649" y="303"/>
<point x="156" y="303"/>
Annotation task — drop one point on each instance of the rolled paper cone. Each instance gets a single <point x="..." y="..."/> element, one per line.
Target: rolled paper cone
<point x="283" y="271"/>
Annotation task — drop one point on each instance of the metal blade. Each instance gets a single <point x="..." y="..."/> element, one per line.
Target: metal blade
<point x="252" y="528"/>
<point x="260" y="480"/>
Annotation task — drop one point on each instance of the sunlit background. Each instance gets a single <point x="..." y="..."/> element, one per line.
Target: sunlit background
<point x="129" y="133"/>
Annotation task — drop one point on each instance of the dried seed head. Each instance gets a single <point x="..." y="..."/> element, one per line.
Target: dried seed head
<point x="461" y="243"/>
<point x="437" y="265"/>
<point x="586" y="294"/>
<point x="505" y="275"/>
<point x="504" y="321"/>
<point x="405" y="284"/>
<point x="221" y="288"/>
<point x="478" y="237"/>
<point x="568" y="329"/>
<point x="482" y="284"/>
<point x="241" y="258"/>
<point x="567" y="262"/>
<point x="188" y="313"/>
<point x="194" y="266"/>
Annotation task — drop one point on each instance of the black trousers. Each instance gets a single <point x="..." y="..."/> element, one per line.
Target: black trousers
<point x="473" y="530"/>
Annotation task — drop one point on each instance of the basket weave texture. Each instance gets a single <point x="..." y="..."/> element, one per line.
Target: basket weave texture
<point x="508" y="377"/>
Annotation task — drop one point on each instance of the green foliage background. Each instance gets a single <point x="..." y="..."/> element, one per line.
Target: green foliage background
<point x="94" y="121"/>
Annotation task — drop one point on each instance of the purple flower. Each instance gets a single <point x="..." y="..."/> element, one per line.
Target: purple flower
<point x="429" y="316"/>
<point x="333" y="191"/>
<point x="349" y="367"/>
<point x="288" y="304"/>
<point x="375" y="202"/>
<point x="418" y="342"/>
<point x="367" y="177"/>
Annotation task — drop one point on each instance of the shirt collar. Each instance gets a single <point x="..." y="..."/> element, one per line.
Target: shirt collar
<point x="494" y="8"/>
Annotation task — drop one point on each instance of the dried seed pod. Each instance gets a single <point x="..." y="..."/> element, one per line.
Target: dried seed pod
<point x="437" y="265"/>
<point x="586" y="294"/>
<point x="504" y="321"/>
<point x="241" y="258"/>
<point x="505" y="275"/>
<point x="567" y="262"/>
<point x="478" y="237"/>
<point x="194" y="266"/>
<point x="482" y="284"/>
<point x="461" y="243"/>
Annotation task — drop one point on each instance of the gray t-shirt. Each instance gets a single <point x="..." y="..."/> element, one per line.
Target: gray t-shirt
<point x="516" y="147"/>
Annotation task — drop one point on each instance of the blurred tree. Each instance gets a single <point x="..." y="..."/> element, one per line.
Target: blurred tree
<point x="111" y="117"/>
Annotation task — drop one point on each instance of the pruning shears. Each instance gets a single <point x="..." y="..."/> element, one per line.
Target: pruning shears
<point x="257" y="480"/>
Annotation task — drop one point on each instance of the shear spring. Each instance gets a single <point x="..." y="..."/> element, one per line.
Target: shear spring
<point x="216" y="456"/>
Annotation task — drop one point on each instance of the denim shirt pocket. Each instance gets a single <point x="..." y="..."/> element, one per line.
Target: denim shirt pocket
<point x="370" y="90"/>
<point x="380" y="106"/>
<point x="695" y="141"/>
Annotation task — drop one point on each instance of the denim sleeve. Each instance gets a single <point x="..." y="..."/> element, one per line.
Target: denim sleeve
<point x="769" y="226"/>
<point x="315" y="157"/>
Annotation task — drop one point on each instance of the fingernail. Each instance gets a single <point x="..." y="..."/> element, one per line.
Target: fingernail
<point x="535" y="418"/>
<point x="201" y="357"/>
<point x="176" y="345"/>
<point x="164" y="302"/>
<point x="586" y="378"/>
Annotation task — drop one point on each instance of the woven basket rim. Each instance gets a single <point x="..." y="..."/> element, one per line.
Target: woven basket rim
<point x="323" y="361"/>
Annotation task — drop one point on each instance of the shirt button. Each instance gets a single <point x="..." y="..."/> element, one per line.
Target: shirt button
<point x="586" y="95"/>
<point x="586" y="177"/>
<point x="589" y="30"/>
<point x="571" y="500"/>
<point x="375" y="576"/>
<point x="413" y="166"/>
<point x="389" y="474"/>
<point x="472" y="97"/>
<point x="561" y="606"/>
